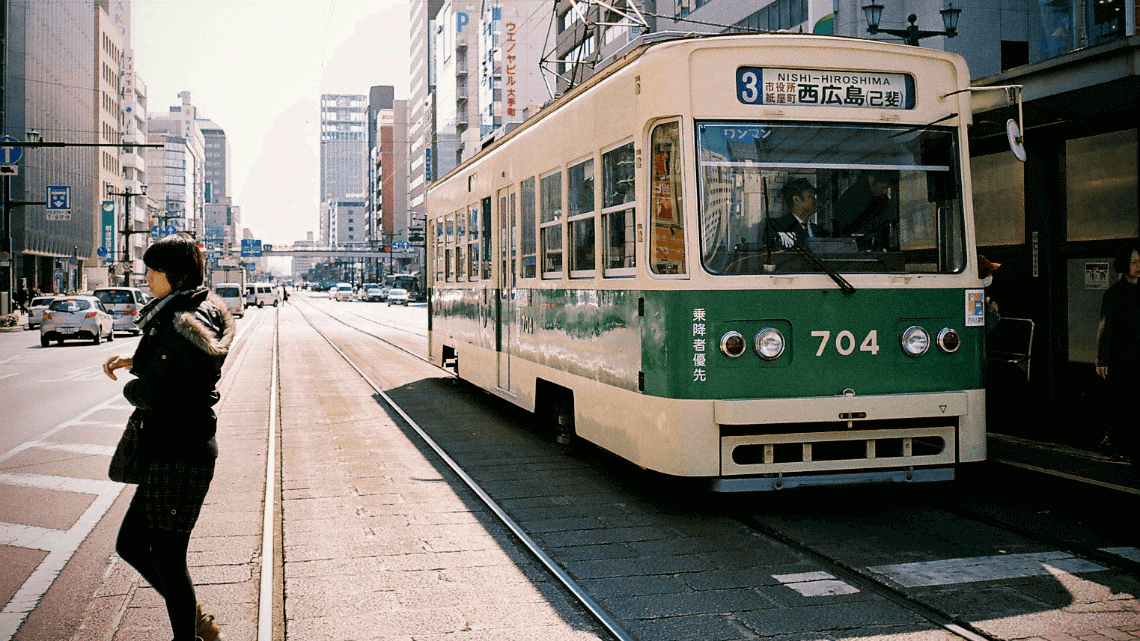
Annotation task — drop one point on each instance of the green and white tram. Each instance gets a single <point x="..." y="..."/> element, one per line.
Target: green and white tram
<point x="621" y="263"/>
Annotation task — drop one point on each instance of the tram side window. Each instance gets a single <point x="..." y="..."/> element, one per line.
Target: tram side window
<point x="527" y="212"/>
<point x="580" y="216"/>
<point x="460" y="246"/>
<point x="550" y="226"/>
<point x="667" y="235"/>
<point x="449" y="248"/>
<point x="485" y="218"/>
<point x="617" y="209"/>
<point x="435" y="234"/>
<point x="473" y="239"/>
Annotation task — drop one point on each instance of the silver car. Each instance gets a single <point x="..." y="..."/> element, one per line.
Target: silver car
<point x="36" y="309"/>
<point x="76" y="317"/>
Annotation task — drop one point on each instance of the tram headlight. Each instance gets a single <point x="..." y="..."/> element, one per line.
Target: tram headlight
<point x="768" y="343"/>
<point x="915" y="341"/>
<point x="732" y="344"/>
<point x="948" y="340"/>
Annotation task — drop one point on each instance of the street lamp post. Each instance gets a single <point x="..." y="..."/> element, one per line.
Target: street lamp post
<point x="912" y="34"/>
<point x="129" y="228"/>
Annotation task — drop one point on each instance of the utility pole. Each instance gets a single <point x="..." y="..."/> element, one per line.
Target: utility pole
<point x="128" y="229"/>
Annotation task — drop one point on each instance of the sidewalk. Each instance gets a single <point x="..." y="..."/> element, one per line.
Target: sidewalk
<point x="377" y="544"/>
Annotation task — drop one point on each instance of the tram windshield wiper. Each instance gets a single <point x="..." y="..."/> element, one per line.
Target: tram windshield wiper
<point x="813" y="259"/>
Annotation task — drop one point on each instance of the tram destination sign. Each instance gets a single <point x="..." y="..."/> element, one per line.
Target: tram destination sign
<point x="824" y="88"/>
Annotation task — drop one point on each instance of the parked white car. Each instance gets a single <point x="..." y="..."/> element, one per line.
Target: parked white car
<point x="36" y="309"/>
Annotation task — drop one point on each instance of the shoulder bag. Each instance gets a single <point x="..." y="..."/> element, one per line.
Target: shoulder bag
<point x="126" y="464"/>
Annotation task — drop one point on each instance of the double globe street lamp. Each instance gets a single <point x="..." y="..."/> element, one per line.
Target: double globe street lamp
<point x="912" y="34"/>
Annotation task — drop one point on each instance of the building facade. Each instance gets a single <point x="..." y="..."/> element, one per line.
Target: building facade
<point x="49" y="88"/>
<point x="421" y="101"/>
<point x="344" y="146"/>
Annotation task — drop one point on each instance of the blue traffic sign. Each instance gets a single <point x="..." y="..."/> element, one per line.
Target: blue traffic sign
<point x="156" y="231"/>
<point x="250" y="248"/>
<point x="58" y="198"/>
<point x="101" y="252"/>
<point x="10" y="155"/>
<point x="401" y="246"/>
<point x="171" y="230"/>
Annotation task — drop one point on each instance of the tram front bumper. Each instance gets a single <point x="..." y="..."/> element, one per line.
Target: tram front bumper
<point x="830" y="435"/>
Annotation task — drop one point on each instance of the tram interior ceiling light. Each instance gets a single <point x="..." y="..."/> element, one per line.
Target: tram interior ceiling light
<point x="912" y="34"/>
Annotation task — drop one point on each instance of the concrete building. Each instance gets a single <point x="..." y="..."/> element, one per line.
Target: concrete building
<point x="48" y="81"/>
<point x="179" y="172"/>
<point x="388" y="158"/>
<point x="455" y="42"/>
<point x="421" y="119"/>
<point x="344" y="146"/>
<point x="511" y="37"/>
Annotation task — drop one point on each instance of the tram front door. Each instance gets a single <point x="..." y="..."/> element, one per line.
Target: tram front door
<point x="505" y="303"/>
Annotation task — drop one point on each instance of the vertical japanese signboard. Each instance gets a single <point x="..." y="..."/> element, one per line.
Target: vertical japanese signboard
<point x="109" y="230"/>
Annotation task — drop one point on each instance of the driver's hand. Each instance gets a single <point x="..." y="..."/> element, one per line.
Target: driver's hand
<point x="787" y="238"/>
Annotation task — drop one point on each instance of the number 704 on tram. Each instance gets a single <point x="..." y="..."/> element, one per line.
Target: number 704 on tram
<point x="741" y="258"/>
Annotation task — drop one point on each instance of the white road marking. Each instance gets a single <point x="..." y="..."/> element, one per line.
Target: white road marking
<point x="983" y="568"/>
<point x="30" y="536"/>
<point x="59" y="544"/>
<point x="1132" y="554"/>
<point x="815" y="584"/>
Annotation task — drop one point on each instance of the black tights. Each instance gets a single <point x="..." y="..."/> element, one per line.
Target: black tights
<point x="160" y="557"/>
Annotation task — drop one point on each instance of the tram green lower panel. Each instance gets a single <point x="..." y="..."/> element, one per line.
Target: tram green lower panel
<point x="835" y="343"/>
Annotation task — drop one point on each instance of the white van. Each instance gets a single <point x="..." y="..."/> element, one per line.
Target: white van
<point x="264" y="293"/>
<point x="124" y="304"/>
<point x="232" y="296"/>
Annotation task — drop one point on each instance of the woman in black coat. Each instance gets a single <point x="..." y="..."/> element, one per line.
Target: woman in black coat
<point x="1118" y="350"/>
<point x="187" y="332"/>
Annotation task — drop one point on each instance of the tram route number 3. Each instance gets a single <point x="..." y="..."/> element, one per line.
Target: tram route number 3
<point x="845" y="342"/>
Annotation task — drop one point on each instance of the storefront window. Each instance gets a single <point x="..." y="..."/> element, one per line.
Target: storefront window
<point x="999" y="199"/>
<point x="1100" y="183"/>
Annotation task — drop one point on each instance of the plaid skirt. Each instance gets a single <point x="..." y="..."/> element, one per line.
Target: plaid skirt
<point x="172" y="493"/>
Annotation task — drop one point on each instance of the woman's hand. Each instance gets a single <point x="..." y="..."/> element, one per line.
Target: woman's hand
<point x="114" y="363"/>
<point x="1102" y="371"/>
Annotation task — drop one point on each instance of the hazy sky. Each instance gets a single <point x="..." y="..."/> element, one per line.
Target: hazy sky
<point x="257" y="68"/>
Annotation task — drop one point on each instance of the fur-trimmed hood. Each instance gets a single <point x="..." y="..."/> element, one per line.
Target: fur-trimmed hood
<point x="210" y="326"/>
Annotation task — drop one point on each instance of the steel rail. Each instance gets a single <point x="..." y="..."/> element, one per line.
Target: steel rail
<point x="572" y="586"/>
<point x="948" y="622"/>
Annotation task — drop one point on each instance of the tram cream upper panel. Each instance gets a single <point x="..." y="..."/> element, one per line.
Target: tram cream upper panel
<point x="936" y="74"/>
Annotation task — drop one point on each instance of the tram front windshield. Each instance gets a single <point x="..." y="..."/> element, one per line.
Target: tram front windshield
<point x="783" y="197"/>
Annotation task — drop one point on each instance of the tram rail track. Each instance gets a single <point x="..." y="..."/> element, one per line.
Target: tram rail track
<point x="553" y="568"/>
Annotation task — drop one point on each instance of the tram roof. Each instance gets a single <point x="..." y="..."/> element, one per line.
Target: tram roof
<point x="643" y="43"/>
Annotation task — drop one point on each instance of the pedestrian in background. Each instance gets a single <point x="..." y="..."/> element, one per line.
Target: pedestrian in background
<point x="1118" y="351"/>
<point x="187" y="332"/>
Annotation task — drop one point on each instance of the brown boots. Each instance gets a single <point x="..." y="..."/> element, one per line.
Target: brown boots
<point x="205" y="627"/>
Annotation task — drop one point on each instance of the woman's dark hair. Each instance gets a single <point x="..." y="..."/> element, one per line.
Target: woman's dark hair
<point x="1124" y="256"/>
<point x="179" y="258"/>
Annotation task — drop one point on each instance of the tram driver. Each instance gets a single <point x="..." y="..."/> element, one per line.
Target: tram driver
<point x="795" y="227"/>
